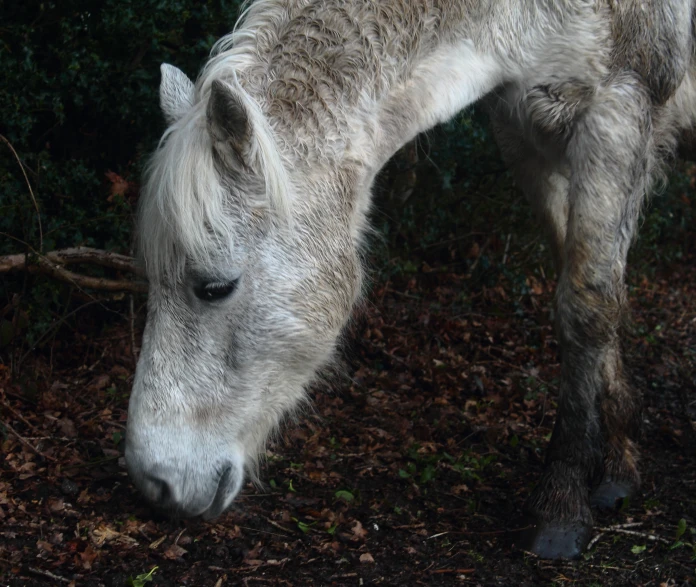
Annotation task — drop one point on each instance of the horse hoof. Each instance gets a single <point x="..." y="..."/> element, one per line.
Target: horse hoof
<point x="557" y="540"/>
<point x="609" y="493"/>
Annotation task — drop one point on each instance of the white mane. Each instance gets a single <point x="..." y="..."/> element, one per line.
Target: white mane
<point x="186" y="206"/>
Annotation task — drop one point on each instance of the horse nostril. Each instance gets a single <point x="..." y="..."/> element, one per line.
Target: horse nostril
<point x="160" y="491"/>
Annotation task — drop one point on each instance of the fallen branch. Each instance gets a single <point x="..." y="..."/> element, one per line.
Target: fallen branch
<point x="48" y="574"/>
<point x="623" y="529"/>
<point x="645" y="535"/>
<point x="26" y="443"/>
<point x="19" y="416"/>
<point x="53" y="264"/>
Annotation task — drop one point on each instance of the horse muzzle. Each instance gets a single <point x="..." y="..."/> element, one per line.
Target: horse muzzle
<point x="202" y="485"/>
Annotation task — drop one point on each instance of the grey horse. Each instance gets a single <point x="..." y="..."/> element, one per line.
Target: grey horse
<point x="255" y="204"/>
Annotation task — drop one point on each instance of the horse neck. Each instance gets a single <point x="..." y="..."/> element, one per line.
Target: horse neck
<point x="359" y="79"/>
<point x="345" y="85"/>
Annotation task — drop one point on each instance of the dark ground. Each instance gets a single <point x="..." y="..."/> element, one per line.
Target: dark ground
<point x="411" y="471"/>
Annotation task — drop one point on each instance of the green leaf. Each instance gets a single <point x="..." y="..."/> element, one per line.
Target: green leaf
<point x="344" y="495"/>
<point x="303" y="526"/>
<point x="140" y="580"/>
<point x="681" y="528"/>
<point x="428" y="474"/>
<point x="637" y="549"/>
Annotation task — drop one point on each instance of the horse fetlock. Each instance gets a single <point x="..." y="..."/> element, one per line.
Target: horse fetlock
<point x="559" y="514"/>
<point x="561" y="496"/>
<point x="621" y="479"/>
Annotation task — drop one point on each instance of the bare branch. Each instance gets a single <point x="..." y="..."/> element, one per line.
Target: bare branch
<point x="93" y="256"/>
<point x="54" y="263"/>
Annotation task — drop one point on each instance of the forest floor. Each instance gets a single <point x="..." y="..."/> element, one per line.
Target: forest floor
<point x="410" y="469"/>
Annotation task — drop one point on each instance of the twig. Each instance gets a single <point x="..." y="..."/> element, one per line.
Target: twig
<point x="621" y="529"/>
<point x="595" y="540"/>
<point x="507" y="247"/>
<point x="264" y="531"/>
<point x="627" y="525"/>
<point x="31" y="192"/>
<point x="402" y="294"/>
<point x="27" y="443"/>
<point x="176" y="540"/>
<point x="52" y="328"/>
<point x="272" y="523"/>
<point x="19" y="416"/>
<point x="436" y="535"/>
<point x="49" y="574"/>
<point x="458" y="571"/>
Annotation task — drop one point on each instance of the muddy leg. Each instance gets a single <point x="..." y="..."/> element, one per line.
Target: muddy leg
<point x="620" y="406"/>
<point x="610" y="155"/>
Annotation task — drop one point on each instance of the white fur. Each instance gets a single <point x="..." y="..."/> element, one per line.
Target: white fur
<point x="176" y="93"/>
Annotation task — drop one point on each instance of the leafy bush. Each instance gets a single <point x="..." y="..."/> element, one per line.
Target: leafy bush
<point x="78" y="98"/>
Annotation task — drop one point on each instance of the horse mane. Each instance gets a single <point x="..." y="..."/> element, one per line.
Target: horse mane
<point x="186" y="208"/>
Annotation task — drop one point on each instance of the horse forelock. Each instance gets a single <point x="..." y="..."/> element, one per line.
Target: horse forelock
<point x="186" y="209"/>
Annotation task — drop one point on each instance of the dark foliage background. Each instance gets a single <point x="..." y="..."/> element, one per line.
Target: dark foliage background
<point x="442" y="428"/>
<point x="79" y="105"/>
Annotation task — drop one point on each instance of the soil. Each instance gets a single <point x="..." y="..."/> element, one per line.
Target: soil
<point x="410" y="469"/>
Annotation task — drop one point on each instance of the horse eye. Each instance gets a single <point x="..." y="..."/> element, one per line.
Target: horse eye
<point x="214" y="290"/>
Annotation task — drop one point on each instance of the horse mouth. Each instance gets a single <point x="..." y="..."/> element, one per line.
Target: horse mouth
<point x="206" y="502"/>
<point x="227" y="488"/>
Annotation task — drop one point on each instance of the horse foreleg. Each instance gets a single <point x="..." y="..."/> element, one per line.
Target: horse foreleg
<point x="610" y="157"/>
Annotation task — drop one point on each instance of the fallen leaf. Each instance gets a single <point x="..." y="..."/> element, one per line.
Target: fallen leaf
<point x="119" y="186"/>
<point x="174" y="551"/>
<point x="104" y="534"/>
<point x="359" y="533"/>
<point x="157" y="542"/>
<point x="88" y="556"/>
<point x="67" y="427"/>
<point x="55" y="505"/>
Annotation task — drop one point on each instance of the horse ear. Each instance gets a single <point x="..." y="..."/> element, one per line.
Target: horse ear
<point x="228" y="119"/>
<point x="176" y="93"/>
